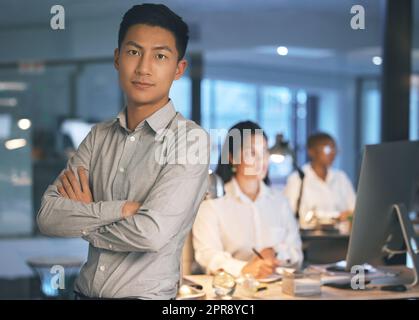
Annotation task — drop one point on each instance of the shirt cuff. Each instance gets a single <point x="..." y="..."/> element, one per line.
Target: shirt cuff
<point x="227" y="263"/>
<point x="289" y="256"/>
<point x="235" y="267"/>
<point x="109" y="210"/>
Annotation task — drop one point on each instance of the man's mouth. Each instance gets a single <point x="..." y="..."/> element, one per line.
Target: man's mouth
<point x="142" y="84"/>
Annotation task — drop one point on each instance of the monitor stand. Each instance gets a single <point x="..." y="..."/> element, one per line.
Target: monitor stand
<point x="409" y="237"/>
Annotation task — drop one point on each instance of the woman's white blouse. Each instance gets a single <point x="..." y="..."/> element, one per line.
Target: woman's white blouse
<point x="226" y="229"/>
<point x="328" y="198"/>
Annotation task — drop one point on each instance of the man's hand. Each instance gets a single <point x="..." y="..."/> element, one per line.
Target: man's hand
<point x="71" y="188"/>
<point x="130" y="208"/>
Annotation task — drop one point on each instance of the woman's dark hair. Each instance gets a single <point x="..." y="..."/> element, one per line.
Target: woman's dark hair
<point x="156" y="15"/>
<point x="319" y="138"/>
<point x="225" y="168"/>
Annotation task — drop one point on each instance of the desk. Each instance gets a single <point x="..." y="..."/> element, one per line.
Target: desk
<point x="316" y="241"/>
<point x="274" y="291"/>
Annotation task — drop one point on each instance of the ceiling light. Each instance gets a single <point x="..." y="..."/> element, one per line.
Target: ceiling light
<point x="282" y="51"/>
<point x="377" y="60"/>
<point x="24" y="124"/>
<point x="15" y="144"/>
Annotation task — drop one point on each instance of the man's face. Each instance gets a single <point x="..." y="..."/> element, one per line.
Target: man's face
<point x="323" y="153"/>
<point x="148" y="64"/>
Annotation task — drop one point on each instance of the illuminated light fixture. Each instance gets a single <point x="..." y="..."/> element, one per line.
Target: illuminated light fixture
<point x="209" y="171"/>
<point x="12" y="86"/>
<point x="15" y="144"/>
<point x="296" y="52"/>
<point x="282" y="51"/>
<point x="24" y="124"/>
<point x="282" y="149"/>
<point x="377" y="60"/>
<point x="8" y="102"/>
<point x="277" y="158"/>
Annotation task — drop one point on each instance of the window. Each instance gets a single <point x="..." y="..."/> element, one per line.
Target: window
<point x="414" y="108"/>
<point x="278" y="110"/>
<point x="370" y="113"/>
<point x="224" y="103"/>
<point x="180" y="93"/>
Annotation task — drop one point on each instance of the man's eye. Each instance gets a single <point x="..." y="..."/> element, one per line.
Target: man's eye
<point x="161" y="56"/>
<point x="133" y="52"/>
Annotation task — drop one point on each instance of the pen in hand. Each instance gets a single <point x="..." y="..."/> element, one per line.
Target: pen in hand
<point x="257" y="253"/>
<point x="287" y="262"/>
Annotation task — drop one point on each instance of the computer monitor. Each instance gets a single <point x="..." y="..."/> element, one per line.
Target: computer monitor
<point x="388" y="180"/>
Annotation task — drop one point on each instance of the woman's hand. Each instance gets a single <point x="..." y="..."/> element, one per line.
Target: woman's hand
<point x="261" y="268"/>
<point x="345" y="215"/>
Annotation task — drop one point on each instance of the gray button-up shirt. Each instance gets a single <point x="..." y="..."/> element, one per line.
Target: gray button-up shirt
<point x="138" y="256"/>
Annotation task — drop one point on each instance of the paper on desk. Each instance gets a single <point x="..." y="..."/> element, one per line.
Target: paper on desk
<point x="279" y="272"/>
<point x="272" y="278"/>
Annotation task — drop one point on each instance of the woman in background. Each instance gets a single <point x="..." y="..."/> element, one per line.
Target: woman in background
<point x="251" y="215"/>
<point x="327" y="192"/>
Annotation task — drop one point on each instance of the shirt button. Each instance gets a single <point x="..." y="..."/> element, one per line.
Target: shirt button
<point x="132" y="138"/>
<point x="121" y="169"/>
<point x="102" y="268"/>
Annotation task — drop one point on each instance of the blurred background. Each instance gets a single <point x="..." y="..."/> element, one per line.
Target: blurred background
<point x="293" y="66"/>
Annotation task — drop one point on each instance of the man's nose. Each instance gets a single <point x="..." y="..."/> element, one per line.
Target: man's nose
<point x="144" y="65"/>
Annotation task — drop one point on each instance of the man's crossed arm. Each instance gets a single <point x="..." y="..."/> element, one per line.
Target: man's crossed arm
<point x="71" y="188"/>
<point x="69" y="210"/>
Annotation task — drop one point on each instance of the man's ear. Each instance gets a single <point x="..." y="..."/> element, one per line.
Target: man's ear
<point x="180" y="69"/>
<point x="116" y="59"/>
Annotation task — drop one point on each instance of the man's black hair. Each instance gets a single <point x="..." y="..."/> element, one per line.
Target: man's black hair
<point x="156" y="15"/>
<point x="319" y="138"/>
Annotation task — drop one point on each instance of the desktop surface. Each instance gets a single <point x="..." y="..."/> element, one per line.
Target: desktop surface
<point x="274" y="290"/>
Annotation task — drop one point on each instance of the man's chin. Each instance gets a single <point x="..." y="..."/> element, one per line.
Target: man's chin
<point x="138" y="103"/>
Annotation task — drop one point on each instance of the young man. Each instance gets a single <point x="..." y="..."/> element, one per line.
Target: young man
<point x="117" y="193"/>
<point x="326" y="191"/>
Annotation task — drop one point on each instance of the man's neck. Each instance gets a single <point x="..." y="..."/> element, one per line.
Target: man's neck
<point x="138" y="113"/>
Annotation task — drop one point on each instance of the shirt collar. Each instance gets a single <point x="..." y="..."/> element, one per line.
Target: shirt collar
<point x="232" y="188"/>
<point x="157" y="121"/>
<point x="308" y="169"/>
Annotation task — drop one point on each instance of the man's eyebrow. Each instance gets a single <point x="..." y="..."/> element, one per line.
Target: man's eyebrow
<point x="134" y="44"/>
<point x="163" y="48"/>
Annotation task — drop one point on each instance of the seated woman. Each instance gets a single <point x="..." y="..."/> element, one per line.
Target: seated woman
<point x="250" y="215"/>
<point x="327" y="192"/>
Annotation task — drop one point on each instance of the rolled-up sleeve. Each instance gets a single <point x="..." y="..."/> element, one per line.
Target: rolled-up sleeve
<point x="62" y="217"/>
<point x="208" y="245"/>
<point x="169" y="209"/>
<point x="290" y="248"/>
